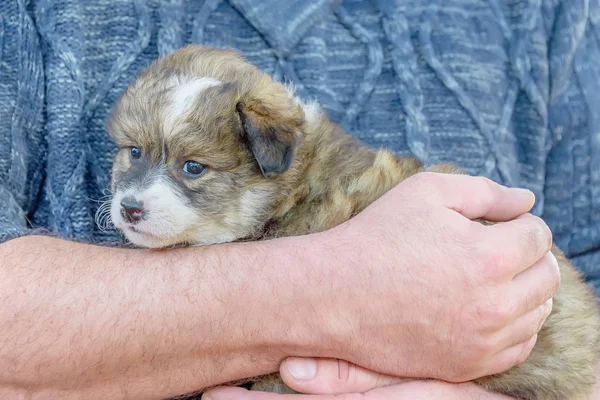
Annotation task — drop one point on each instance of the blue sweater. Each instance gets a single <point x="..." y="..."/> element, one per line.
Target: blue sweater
<point x="509" y="89"/>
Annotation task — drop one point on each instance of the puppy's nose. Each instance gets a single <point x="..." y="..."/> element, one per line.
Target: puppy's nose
<point x="131" y="209"/>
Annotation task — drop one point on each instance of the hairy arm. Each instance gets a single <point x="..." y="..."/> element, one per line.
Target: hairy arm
<point x="83" y="321"/>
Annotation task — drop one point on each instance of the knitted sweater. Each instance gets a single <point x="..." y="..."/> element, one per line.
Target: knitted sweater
<point x="508" y="89"/>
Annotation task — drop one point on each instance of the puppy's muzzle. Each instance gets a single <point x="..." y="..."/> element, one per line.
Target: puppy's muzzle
<point x="132" y="210"/>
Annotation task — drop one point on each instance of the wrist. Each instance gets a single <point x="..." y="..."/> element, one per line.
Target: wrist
<point x="291" y="308"/>
<point x="342" y="263"/>
<point x="321" y="297"/>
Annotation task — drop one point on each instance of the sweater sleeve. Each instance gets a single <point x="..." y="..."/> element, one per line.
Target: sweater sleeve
<point x="22" y="144"/>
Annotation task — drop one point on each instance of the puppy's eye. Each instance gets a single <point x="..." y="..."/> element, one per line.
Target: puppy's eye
<point x="194" y="168"/>
<point x="135" y="153"/>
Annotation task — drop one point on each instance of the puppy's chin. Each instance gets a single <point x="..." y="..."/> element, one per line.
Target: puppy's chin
<point x="146" y="240"/>
<point x="192" y="237"/>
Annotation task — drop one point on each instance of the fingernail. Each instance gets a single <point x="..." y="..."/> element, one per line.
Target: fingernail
<point x="302" y="369"/>
<point x="524" y="192"/>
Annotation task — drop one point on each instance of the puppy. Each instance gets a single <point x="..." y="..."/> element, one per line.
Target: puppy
<point x="213" y="150"/>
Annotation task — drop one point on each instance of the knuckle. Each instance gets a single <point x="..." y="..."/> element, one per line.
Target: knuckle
<point x="486" y="183"/>
<point x="488" y="188"/>
<point x="487" y="200"/>
<point x="483" y="346"/>
<point x="549" y="276"/>
<point x="494" y="260"/>
<point x="483" y="192"/>
<point x="494" y="263"/>
<point x="539" y="235"/>
<point x="494" y="317"/>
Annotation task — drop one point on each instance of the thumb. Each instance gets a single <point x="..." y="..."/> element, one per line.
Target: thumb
<point x="477" y="197"/>
<point x="331" y="376"/>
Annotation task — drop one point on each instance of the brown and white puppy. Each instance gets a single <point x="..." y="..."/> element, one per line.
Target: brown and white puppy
<point x="212" y="150"/>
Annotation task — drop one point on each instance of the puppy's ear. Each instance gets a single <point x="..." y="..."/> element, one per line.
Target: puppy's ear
<point x="272" y="134"/>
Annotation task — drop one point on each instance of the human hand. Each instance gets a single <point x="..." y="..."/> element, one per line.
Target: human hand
<point x="338" y="380"/>
<point x="420" y="290"/>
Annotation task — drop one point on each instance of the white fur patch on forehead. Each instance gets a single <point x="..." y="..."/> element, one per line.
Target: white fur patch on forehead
<point x="182" y="99"/>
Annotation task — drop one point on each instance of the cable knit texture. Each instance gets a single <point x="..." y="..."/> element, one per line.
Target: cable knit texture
<point x="509" y="89"/>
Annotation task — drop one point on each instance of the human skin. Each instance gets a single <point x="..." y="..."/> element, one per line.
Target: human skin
<point x="84" y="321"/>
<point x="327" y="379"/>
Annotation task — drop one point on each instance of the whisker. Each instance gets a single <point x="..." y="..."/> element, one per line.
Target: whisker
<point x="106" y="194"/>
<point x="103" y="217"/>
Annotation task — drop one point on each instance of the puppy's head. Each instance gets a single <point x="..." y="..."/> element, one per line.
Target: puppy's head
<point x="207" y="143"/>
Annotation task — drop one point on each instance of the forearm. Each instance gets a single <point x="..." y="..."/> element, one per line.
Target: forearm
<point x="86" y="320"/>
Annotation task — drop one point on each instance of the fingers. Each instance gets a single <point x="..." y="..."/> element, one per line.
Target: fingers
<point x="478" y="197"/>
<point x="526" y="326"/>
<point x="412" y="390"/>
<point x="235" y="393"/>
<point x="508" y="358"/>
<point x="516" y="245"/>
<point x="537" y="284"/>
<point x="329" y="376"/>
<point x="333" y="377"/>
<point x="431" y="389"/>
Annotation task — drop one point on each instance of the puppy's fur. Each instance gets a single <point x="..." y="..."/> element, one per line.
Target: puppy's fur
<point x="276" y="166"/>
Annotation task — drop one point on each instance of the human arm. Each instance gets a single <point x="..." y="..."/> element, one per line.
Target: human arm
<point x="80" y="320"/>
<point x="88" y="321"/>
